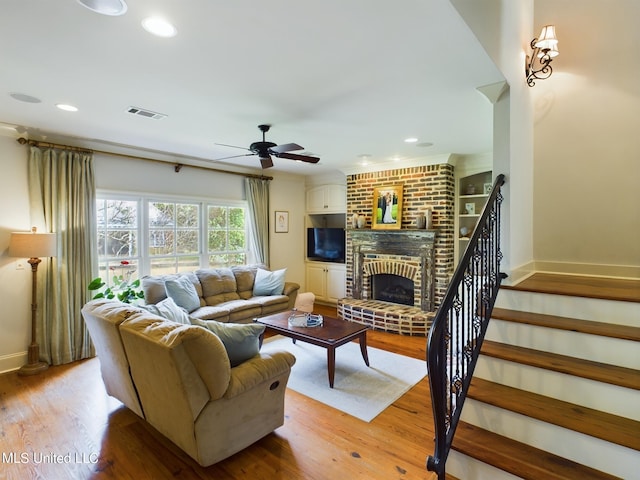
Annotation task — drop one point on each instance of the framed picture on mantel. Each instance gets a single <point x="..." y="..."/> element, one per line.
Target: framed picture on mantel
<point x="387" y="207"/>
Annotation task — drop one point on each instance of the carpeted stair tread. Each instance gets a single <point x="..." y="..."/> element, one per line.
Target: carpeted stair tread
<point x="600" y="372"/>
<point x="623" y="332"/>
<point x="612" y="428"/>
<point x="519" y="459"/>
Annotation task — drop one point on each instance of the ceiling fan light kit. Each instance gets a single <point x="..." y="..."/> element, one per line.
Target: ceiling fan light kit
<point x="264" y="150"/>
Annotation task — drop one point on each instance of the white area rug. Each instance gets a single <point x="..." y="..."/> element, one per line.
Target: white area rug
<point x="358" y="390"/>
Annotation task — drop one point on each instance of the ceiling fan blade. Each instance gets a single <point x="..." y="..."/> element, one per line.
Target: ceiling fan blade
<point x="232" y="146"/>
<point x="295" y="156"/>
<point x="234" y="156"/>
<point x="286" y="147"/>
<point x="266" y="162"/>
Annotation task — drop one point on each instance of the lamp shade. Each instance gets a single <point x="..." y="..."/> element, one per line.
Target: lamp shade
<point x="32" y="245"/>
<point x="547" y="38"/>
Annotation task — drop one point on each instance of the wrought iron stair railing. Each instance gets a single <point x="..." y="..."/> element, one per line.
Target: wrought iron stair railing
<point x="460" y="325"/>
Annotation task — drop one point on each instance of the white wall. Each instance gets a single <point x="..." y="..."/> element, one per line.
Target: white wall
<point x="587" y="143"/>
<point x="503" y="29"/>
<point x="287" y="249"/>
<point x="127" y="175"/>
<point x="15" y="285"/>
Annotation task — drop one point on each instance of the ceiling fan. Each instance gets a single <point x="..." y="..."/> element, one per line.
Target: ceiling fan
<point x="265" y="149"/>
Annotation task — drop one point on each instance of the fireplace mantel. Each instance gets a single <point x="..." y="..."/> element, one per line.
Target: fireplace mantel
<point x="402" y="243"/>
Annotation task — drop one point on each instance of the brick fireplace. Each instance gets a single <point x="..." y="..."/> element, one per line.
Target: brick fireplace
<point x="402" y="253"/>
<point x="426" y="257"/>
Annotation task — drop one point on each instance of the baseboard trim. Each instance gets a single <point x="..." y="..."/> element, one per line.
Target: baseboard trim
<point x="588" y="269"/>
<point x="9" y="363"/>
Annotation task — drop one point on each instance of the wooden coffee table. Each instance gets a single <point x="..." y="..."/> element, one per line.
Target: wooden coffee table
<point x="333" y="333"/>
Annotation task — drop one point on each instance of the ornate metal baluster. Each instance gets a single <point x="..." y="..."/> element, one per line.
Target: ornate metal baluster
<point x="460" y="324"/>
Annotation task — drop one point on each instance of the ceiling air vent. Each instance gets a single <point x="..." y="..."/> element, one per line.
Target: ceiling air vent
<point x="145" y="113"/>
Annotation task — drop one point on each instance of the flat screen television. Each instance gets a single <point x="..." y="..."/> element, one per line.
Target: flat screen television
<point x="326" y="244"/>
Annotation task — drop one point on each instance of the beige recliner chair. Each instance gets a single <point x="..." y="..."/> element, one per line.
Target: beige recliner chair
<point x="185" y="385"/>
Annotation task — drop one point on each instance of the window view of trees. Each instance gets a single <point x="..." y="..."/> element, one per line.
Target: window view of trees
<point x="226" y="236"/>
<point x="173" y="237"/>
<point x="118" y="235"/>
<point x="174" y="233"/>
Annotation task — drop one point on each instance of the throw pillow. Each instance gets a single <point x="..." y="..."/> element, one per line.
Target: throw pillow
<point x="168" y="309"/>
<point x="241" y="340"/>
<point x="269" y="283"/>
<point x="183" y="292"/>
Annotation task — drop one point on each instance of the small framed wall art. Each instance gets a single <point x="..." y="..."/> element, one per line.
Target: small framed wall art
<point x="282" y="221"/>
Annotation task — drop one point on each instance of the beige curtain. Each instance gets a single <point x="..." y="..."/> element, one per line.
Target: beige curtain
<point x="62" y="199"/>
<point x="257" y="192"/>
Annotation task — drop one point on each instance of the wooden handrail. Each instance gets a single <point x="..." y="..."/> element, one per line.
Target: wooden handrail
<point x="458" y="329"/>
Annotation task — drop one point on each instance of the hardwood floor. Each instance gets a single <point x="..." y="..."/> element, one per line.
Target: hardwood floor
<point x="61" y="424"/>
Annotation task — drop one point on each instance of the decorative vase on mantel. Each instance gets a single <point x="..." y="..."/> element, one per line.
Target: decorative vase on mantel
<point x="354" y="220"/>
<point x="362" y="221"/>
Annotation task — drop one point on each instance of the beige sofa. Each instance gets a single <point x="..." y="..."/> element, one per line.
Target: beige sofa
<point x="225" y="294"/>
<point x="178" y="377"/>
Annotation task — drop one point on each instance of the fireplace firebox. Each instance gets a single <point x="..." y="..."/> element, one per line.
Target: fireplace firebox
<point x="392" y="288"/>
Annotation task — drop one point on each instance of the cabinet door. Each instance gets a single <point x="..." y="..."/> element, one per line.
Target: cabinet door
<point x="316" y="277"/>
<point x="336" y="280"/>
<point x="336" y="198"/>
<point x="316" y="201"/>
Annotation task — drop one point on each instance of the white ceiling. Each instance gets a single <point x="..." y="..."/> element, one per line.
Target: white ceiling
<point x="341" y="78"/>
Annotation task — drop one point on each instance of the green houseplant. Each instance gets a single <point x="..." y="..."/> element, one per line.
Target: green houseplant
<point x="122" y="288"/>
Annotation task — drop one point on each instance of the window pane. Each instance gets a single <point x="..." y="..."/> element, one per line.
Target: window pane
<point x="163" y="266"/>
<point x="121" y="214"/>
<point x="162" y="214"/>
<point x="236" y="218"/>
<point x="161" y="242"/>
<point x="217" y="217"/>
<point x="187" y="241"/>
<point x="188" y="264"/>
<point x="187" y="216"/>
<point x="120" y="243"/>
<point x="236" y="240"/>
<point x="217" y="241"/>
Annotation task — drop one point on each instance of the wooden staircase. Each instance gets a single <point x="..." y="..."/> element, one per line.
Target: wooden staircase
<point x="556" y="392"/>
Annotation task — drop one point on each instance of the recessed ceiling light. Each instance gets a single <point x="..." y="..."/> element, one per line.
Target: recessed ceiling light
<point x="364" y="158"/>
<point x="411" y="140"/>
<point x="66" y="108"/>
<point x="424" y="144"/>
<point x="23" y="97"/>
<point x="160" y="27"/>
<point x="105" y="7"/>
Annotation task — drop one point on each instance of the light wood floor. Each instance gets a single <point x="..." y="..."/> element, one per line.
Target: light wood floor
<point x="62" y="425"/>
<point x="626" y="290"/>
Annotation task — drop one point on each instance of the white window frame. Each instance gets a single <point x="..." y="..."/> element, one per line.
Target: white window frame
<point x="143" y="231"/>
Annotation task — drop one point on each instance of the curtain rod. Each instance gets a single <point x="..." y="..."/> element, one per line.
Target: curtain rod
<point x="177" y="166"/>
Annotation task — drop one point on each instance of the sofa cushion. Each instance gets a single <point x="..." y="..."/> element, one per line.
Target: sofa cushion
<point x="245" y="277"/>
<point x="182" y="290"/>
<point x="216" y="312"/>
<point x="154" y="288"/>
<point x="218" y="285"/>
<point x="269" y="283"/>
<point x="168" y="309"/>
<point x="242" y="341"/>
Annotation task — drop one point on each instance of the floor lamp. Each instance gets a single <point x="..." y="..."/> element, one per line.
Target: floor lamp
<point x="33" y="245"/>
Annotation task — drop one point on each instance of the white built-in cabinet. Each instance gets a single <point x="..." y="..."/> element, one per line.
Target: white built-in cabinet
<point x="326" y="206"/>
<point x="326" y="280"/>
<point x="327" y="199"/>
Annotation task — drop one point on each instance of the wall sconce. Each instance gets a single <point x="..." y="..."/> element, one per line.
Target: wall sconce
<point x="545" y="49"/>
